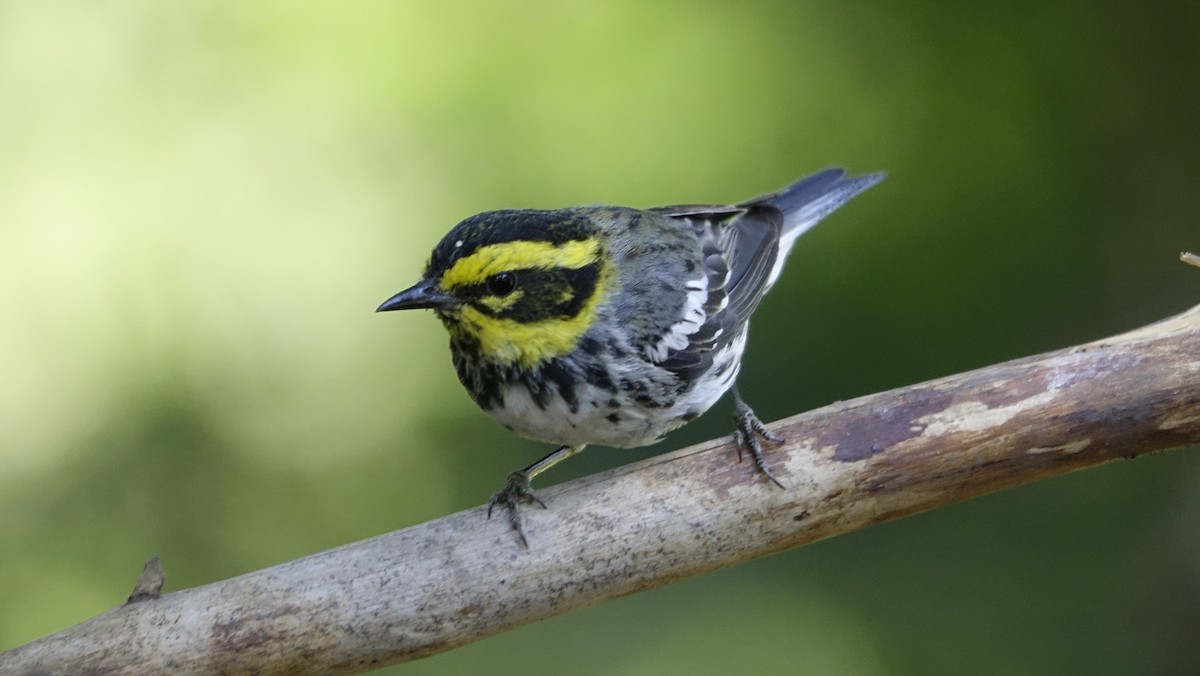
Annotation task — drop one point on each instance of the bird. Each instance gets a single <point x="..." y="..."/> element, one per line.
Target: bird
<point x="609" y="325"/>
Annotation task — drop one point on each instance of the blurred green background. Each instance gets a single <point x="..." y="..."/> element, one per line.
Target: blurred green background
<point x="201" y="204"/>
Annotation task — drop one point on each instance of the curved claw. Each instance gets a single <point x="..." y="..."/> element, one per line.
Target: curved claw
<point x="516" y="492"/>
<point x="747" y="429"/>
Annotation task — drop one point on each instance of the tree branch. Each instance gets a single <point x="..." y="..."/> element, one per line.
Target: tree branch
<point x="441" y="584"/>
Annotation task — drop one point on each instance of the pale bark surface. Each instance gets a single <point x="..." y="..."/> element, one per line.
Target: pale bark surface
<point x="441" y="584"/>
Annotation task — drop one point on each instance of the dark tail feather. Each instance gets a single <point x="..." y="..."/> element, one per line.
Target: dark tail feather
<point x="805" y="202"/>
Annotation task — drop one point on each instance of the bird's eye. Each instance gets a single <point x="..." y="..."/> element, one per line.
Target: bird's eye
<point x="502" y="284"/>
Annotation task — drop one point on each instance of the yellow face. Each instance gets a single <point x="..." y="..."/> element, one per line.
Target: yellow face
<point x="525" y="302"/>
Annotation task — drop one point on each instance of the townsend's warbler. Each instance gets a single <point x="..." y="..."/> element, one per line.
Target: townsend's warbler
<point x="610" y="325"/>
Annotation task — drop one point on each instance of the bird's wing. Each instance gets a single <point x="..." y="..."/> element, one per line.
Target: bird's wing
<point x="738" y="246"/>
<point x="742" y="252"/>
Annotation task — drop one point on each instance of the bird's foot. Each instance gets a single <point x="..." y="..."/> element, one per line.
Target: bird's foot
<point x="746" y="432"/>
<point x="516" y="492"/>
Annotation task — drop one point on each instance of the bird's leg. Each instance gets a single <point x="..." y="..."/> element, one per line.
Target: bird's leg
<point x="746" y="431"/>
<point x="517" y="490"/>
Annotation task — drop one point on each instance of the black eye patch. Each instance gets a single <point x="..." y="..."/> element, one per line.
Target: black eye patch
<point x="556" y="293"/>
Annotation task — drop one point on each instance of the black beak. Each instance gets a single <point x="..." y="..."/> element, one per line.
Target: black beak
<point x="425" y="294"/>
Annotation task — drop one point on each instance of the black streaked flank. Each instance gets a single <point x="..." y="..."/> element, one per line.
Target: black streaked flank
<point x="591" y="346"/>
<point x="650" y="402"/>
<point x="554" y="372"/>
<point x="597" y="375"/>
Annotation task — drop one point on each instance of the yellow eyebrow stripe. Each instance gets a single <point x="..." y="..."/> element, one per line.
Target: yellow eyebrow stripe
<point x="519" y="255"/>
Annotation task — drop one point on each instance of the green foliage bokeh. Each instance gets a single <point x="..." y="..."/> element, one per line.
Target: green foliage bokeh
<point x="201" y="204"/>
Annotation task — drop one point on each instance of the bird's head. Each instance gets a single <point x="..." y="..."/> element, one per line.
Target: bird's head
<point x="519" y="287"/>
